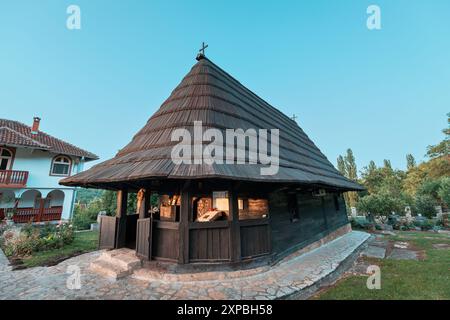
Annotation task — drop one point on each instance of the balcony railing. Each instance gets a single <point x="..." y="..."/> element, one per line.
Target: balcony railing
<point x="13" y="178"/>
<point x="24" y="215"/>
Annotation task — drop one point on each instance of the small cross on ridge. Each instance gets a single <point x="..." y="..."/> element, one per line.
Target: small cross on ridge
<point x="201" y="52"/>
<point x="294" y="117"/>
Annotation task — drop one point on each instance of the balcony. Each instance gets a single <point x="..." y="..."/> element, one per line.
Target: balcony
<point x="25" y="215"/>
<point x="13" y="178"/>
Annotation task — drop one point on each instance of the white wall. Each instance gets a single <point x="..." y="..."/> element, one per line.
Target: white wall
<point x="38" y="164"/>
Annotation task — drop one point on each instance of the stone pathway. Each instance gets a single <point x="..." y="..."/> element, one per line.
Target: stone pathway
<point x="281" y="280"/>
<point x="398" y="250"/>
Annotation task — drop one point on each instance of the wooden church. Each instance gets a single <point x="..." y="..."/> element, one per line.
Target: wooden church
<point x="218" y="213"/>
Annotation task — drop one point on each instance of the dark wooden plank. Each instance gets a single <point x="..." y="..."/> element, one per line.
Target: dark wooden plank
<point x="142" y="238"/>
<point x="209" y="225"/>
<point x="254" y="241"/>
<point x="107" y="235"/>
<point x="166" y="225"/>
<point x="183" y="231"/>
<point x="235" y="230"/>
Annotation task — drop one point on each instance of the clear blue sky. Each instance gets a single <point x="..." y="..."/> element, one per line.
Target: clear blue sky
<point x="383" y="93"/>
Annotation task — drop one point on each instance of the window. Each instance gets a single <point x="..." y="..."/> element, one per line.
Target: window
<point x="61" y="166"/>
<point x="253" y="208"/>
<point x="169" y="208"/>
<point x="211" y="208"/>
<point x="5" y="159"/>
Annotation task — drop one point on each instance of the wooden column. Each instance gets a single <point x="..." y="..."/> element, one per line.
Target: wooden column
<point x="235" y="229"/>
<point x="149" y="215"/>
<point x="183" y="230"/>
<point x="41" y="209"/>
<point x="121" y="216"/>
<point x="143" y="203"/>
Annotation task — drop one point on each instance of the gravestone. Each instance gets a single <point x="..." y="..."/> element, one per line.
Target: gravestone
<point x="100" y="214"/>
<point x="408" y="212"/>
<point x="354" y="212"/>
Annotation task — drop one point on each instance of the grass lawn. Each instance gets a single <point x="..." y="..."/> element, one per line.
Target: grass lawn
<point x="402" y="279"/>
<point x="83" y="242"/>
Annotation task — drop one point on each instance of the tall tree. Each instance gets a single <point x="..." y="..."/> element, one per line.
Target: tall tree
<point x="350" y="165"/>
<point x="410" y="162"/>
<point x="387" y="164"/>
<point x="443" y="148"/>
<point x="372" y="167"/>
<point x="341" y="165"/>
<point x="351" y="173"/>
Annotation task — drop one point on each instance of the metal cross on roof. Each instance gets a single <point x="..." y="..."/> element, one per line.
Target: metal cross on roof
<point x="294" y="117"/>
<point x="202" y="50"/>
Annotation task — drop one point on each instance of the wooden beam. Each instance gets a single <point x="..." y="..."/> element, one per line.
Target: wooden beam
<point x="235" y="230"/>
<point x="121" y="215"/>
<point x="147" y="204"/>
<point x="183" y="230"/>
<point x="122" y="197"/>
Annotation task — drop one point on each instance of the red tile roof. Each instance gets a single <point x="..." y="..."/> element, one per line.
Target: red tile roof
<point x="17" y="134"/>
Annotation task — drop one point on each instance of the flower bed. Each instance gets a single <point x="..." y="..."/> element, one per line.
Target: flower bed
<point x="21" y="242"/>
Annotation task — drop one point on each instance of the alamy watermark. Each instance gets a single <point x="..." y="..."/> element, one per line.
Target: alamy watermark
<point x="374" y="280"/>
<point x="74" y="280"/>
<point x="73" y="21"/>
<point x="374" y="19"/>
<point x="234" y="149"/>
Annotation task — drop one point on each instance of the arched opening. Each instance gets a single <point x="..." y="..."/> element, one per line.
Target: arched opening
<point x="29" y="207"/>
<point x="55" y="199"/>
<point x="6" y="158"/>
<point x="7" y="202"/>
<point x="61" y="166"/>
<point x="30" y="199"/>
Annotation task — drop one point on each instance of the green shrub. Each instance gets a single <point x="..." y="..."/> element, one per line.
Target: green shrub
<point x="82" y="221"/>
<point x="444" y="191"/>
<point x="18" y="243"/>
<point x="425" y="224"/>
<point x="383" y="203"/>
<point x="361" y="223"/>
<point x="425" y="205"/>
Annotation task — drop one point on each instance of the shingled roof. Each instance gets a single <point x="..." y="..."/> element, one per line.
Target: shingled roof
<point x="209" y="94"/>
<point x="17" y="134"/>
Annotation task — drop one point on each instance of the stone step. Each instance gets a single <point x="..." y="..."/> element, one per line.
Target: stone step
<point x="109" y="269"/>
<point x="126" y="260"/>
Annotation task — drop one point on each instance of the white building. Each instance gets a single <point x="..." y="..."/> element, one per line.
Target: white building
<point x="31" y="165"/>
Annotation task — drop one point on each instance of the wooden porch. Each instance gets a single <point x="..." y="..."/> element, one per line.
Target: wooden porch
<point x="186" y="241"/>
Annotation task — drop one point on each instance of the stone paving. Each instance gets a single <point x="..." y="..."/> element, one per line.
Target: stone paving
<point x="381" y="248"/>
<point x="281" y="280"/>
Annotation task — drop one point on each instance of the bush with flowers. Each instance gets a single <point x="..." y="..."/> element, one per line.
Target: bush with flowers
<point x="20" y="242"/>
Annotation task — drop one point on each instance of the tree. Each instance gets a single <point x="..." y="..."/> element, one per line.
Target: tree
<point x="352" y="174"/>
<point x="410" y="162"/>
<point x="441" y="149"/>
<point x="444" y="191"/>
<point x="372" y="167"/>
<point x="425" y="205"/>
<point x="341" y="166"/>
<point x="387" y="164"/>
<point x="109" y="202"/>
<point x="350" y="165"/>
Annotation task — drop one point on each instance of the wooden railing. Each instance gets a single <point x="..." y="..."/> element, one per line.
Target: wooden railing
<point x="24" y="215"/>
<point x="13" y="178"/>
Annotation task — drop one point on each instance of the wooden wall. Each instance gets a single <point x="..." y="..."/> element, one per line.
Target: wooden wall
<point x="165" y="237"/>
<point x="317" y="217"/>
<point x="209" y="243"/>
